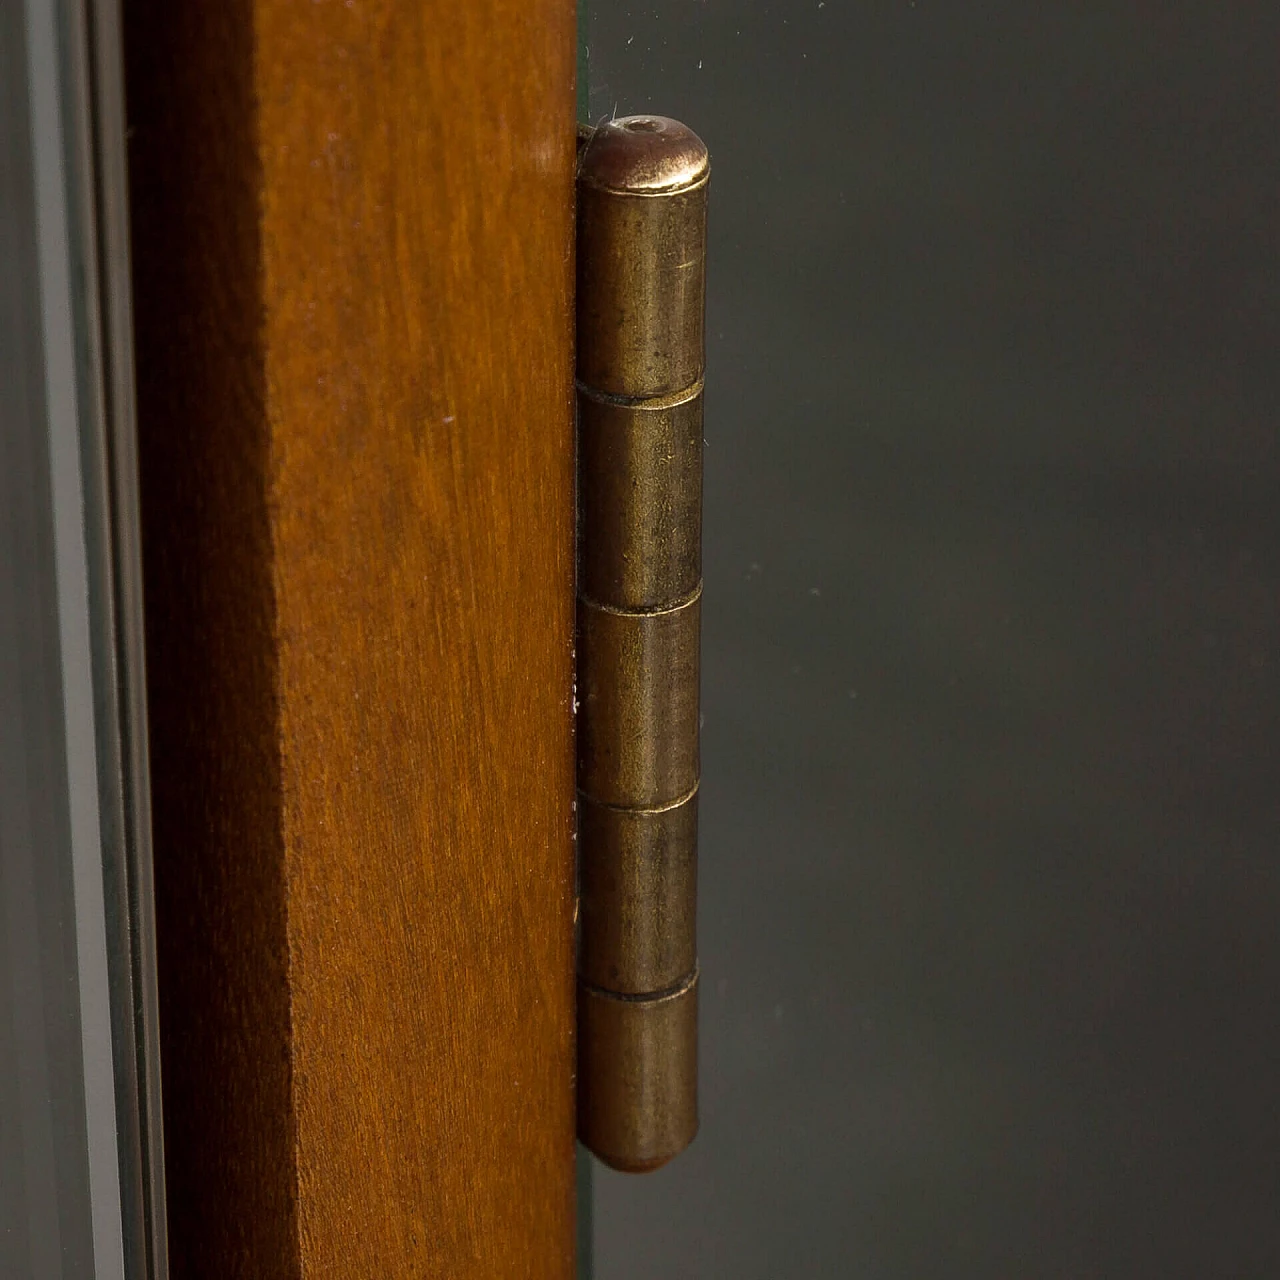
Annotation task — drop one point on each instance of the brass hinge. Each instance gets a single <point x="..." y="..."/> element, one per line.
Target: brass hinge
<point x="642" y="197"/>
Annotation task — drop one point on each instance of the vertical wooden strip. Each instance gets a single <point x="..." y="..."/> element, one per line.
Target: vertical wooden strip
<point x="353" y="238"/>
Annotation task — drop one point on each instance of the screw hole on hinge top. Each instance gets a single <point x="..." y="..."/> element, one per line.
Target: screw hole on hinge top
<point x="642" y="126"/>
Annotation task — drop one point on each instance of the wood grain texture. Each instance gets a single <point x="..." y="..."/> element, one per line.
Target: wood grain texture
<point x="353" y="256"/>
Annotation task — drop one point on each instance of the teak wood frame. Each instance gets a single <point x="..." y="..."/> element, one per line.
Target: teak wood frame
<point x="352" y="237"/>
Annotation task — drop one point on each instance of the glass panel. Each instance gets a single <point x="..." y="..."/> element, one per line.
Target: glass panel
<point x="80" y="1179"/>
<point x="989" y="886"/>
<point x="46" y="1210"/>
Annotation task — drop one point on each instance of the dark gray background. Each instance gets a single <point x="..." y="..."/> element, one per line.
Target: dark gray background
<point x="991" y="826"/>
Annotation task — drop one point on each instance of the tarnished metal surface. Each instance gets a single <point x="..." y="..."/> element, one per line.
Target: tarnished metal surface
<point x="638" y="703"/>
<point x="642" y="212"/>
<point x="641" y="236"/>
<point x="639" y="895"/>
<point x="642" y="500"/>
<point x="638" y="1075"/>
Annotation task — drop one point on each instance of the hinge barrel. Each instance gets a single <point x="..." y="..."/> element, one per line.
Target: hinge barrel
<point x="642" y="187"/>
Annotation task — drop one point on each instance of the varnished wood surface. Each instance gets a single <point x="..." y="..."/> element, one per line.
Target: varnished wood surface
<point x="352" y="240"/>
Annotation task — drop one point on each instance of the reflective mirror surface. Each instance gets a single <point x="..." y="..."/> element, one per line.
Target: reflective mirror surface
<point x="989" y="889"/>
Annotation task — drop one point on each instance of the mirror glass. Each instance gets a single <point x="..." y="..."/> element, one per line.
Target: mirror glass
<point x="989" y="884"/>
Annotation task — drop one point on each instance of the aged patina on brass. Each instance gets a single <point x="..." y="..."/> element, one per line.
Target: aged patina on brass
<point x="642" y="189"/>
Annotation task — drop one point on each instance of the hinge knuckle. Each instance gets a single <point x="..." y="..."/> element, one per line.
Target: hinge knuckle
<point x="642" y="187"/>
